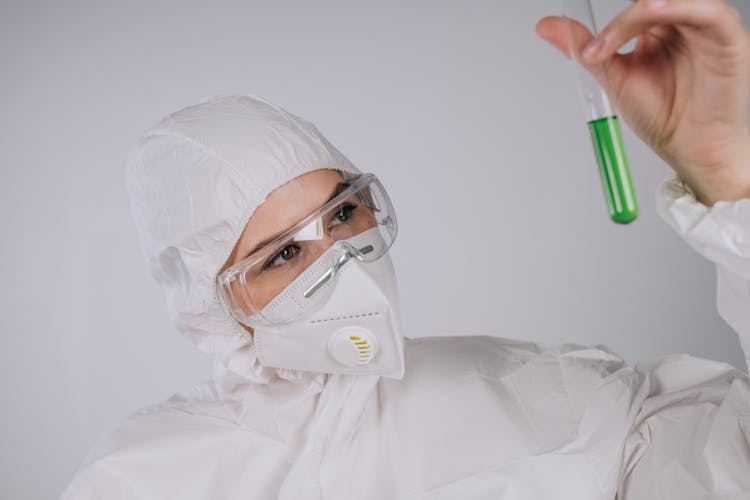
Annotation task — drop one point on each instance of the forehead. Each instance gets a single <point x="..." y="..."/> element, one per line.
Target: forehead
<point x="287" y="205"/>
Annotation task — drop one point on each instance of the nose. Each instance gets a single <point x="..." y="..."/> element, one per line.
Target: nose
<point x="347" y="252"/>
<point x="322" y="244"/>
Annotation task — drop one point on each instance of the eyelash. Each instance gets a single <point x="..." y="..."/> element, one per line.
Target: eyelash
<point x="347" y="208"/>
<point x="270" y="263"/>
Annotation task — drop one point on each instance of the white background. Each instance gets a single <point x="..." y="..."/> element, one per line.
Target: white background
<point x="472" y="123"/>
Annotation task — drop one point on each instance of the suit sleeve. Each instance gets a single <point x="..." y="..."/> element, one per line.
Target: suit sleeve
<point x="722" y="235"/>
<point x="691" y="437"/>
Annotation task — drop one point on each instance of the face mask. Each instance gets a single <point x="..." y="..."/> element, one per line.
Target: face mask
<point x="356" y="330"/>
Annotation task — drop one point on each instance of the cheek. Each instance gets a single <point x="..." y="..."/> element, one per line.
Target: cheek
<point x="262" y="295"/>
<point x="240" y="296"/>
<point x="369" y="221"/>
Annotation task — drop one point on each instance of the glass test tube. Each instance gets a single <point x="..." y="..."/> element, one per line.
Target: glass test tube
<point x="603" y="124"/>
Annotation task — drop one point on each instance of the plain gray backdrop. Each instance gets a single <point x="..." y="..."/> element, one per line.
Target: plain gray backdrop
<point x="472" y="123"/>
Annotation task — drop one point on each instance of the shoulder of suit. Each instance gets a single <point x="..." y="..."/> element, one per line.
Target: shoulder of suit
<point x="501" y="360"/>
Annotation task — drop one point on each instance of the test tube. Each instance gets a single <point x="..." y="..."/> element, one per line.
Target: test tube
<point x="603" y="124"/>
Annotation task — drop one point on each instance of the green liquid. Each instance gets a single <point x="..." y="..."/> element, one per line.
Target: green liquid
<point x="613" y="169"/>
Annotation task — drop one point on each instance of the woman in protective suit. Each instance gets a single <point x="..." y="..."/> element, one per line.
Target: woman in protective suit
<point x="273" y="252"/>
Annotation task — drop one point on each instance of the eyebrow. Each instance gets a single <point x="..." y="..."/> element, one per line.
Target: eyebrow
<point x="340" y="187"/>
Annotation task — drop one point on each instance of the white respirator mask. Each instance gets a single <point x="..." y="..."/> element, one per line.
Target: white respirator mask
<point x="356" y="330"/>
<point x="322" y="297"/>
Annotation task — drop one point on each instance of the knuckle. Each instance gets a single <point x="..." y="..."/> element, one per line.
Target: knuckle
<point x="734" y="18"/>
<point x="649" y="9"/>
<point x="715" y="10"/>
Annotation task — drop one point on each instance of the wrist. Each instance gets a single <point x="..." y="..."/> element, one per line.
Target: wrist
<point x="730" y="182"/>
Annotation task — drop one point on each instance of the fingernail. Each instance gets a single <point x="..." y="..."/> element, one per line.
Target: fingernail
<point x="593" y="47"/>
<point x="657" y="3"/>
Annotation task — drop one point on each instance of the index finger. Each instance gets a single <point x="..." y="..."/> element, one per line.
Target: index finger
<point x="717" y="19"/>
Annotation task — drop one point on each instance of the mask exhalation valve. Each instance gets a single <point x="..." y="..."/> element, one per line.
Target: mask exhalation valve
<point x="353" y="346"/>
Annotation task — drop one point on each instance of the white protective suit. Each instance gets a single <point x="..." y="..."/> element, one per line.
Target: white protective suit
<point x="473" y="417"/>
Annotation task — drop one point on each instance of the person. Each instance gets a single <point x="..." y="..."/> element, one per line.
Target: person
<point x="273" y="252"/>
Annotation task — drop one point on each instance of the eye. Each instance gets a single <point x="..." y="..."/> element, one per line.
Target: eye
<point x="285" y="255"/>
<point x="343" y="214"/>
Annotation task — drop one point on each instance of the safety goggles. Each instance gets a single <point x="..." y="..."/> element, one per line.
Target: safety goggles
<point x="296" y="272"/>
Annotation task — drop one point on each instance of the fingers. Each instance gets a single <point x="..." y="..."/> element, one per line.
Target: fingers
<point x="714" y="17"/>
<point x="554" y="31"/>
<point x="571" y="37"/>
<point x="566" y="35"/>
